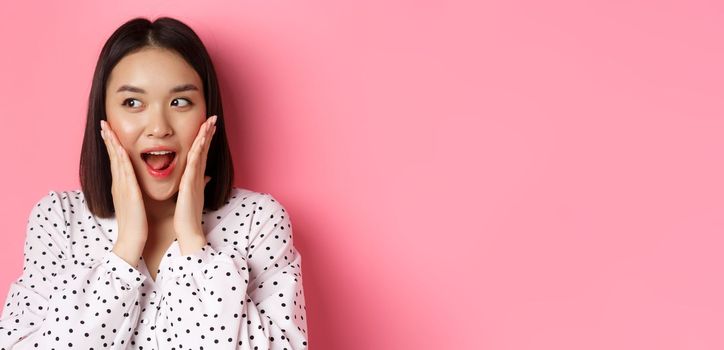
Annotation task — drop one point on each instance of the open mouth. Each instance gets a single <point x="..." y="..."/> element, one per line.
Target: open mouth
<point x="158" y="160"/>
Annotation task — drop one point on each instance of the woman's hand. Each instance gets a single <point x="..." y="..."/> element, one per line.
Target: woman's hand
<point x="190" y="201"/>
<point x="127" y="200"/>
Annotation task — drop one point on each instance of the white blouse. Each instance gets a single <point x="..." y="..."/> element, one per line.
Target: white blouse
<point x="243" y="290"/>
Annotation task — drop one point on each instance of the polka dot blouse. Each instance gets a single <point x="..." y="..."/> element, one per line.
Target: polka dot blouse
<point x="243" y="290"/>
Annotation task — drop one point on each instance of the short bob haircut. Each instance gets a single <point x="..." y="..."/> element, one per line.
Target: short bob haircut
<point x="134" y="35"/>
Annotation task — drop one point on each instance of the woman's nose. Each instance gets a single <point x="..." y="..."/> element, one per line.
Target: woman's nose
<point x="158" y="126"/>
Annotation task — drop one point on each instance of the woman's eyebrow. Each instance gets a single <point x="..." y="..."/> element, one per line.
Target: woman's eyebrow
<point x="180" y="88"/>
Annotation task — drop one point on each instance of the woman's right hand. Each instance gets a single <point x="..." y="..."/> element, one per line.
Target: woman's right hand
<point x="127" y="200"/>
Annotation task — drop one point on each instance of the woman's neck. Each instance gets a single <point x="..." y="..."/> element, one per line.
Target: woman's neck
<point x="159" y="211"/>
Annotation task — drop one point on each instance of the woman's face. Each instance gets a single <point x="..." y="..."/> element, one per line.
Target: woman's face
<point x="155" y="98"/>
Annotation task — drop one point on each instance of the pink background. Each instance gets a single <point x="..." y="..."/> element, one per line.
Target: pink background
<point x="461" y="175"/>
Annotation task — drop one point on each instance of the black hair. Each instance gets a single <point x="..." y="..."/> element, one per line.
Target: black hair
<point x="132" y="36"/>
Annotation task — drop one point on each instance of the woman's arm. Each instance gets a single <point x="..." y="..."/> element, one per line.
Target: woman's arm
<point x="61" y="302"/>
<point x="237" y="298"/>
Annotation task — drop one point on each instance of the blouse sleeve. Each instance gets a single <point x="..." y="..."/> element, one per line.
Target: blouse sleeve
<point x="235" y="298"/>
<point x="60" y="302"/>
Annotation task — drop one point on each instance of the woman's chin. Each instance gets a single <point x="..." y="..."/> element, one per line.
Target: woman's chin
<point x="160" y="190"/>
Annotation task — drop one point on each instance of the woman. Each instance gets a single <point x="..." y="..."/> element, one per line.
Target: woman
<point x="158" y="250"/>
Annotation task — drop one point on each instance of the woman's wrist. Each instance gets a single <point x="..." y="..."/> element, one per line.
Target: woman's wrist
<point x="129" y="251"/>
<point x="191" y="243"/>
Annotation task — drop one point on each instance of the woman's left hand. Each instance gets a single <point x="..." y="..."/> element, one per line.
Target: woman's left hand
<point x="190" y="200"/>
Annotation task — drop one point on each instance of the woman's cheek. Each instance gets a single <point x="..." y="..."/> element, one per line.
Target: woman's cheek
<point x="192" y="135"/>
<point x="124" y="133"/>
<point x="127" y="133"/>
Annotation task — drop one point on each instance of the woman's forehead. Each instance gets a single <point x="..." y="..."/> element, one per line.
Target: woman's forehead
<point x="153" y="71"/>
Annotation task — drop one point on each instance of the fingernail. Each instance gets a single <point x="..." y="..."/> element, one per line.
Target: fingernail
<point x="213" y="120"/>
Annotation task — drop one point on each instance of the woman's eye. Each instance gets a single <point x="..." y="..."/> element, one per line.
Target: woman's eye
<point x="188" y="102"/>
<point x="129" y="99"/>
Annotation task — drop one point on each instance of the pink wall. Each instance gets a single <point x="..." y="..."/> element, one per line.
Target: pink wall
<point x="480" y="175"/>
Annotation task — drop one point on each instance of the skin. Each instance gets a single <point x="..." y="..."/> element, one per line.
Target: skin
<point x="152" y="212"/>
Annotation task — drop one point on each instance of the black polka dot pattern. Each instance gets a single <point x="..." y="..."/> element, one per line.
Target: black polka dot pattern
<point x="243" y="290"/>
